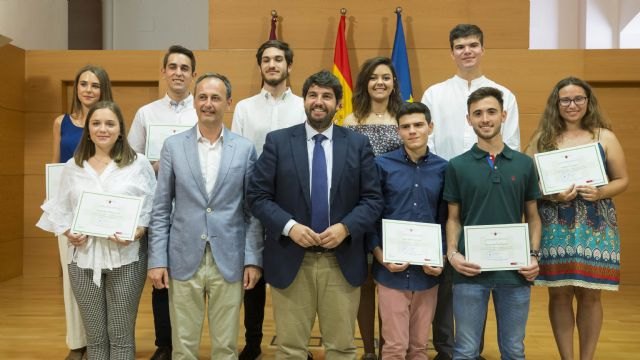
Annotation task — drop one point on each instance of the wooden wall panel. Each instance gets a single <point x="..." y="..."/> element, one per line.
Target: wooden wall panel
<point x="371" y="24"/>
<point x="618" y="101"/>
<point x="612" y="65"/>
<point x="12" y="70"/>
<point x="529" y="74"/>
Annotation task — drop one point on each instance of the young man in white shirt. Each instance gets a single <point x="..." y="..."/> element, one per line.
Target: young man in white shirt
<point x="175" y="108"/>
<point x="275" y="107"/>
<point x="452" y="136"/>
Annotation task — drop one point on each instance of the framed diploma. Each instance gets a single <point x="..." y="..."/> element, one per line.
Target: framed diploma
<point x="157" y="134"/>
<point x="497" y="247"/>
<point x="580" y="165"/>
<point x="53" y="174"/>
<point x="102" y="214"/>
<point x="413" y="242"/>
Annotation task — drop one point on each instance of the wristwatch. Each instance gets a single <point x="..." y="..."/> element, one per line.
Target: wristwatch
<point x="535" y="253"/>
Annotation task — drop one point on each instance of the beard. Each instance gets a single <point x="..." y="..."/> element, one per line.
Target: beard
<point x="276" y="81"/>
<point x="322" y="123"/>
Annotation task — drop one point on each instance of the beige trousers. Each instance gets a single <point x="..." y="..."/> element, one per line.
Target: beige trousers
<point x="76" y="337"/>
<point x="318" y="288"/>
<point x="206" y="291"/>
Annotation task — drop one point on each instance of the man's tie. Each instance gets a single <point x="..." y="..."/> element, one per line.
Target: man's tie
<point x="319" y="188"/>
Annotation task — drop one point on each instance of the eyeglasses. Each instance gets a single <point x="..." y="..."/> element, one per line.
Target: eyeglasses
<point x="578" y="100"/>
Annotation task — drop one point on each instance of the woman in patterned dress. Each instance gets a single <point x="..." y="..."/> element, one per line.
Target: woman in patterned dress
<point x="376" y="100"/>
<point x="580" y="239"/>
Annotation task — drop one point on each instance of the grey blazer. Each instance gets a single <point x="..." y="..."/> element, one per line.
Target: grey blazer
<point x="184" y="217"/>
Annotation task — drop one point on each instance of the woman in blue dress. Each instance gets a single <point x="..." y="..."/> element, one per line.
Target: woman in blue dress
<point x="91" y="84"/>
<point x="580" y="240"/>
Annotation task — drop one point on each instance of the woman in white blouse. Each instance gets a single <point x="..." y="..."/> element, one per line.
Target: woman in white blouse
<point x="107" y="273"/>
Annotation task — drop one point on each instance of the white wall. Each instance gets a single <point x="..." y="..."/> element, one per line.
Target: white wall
<point x="136" y="24"/>
<point x="158" y="24"/>
<point x="584" y="24"/>
<point x="35" y="24"/>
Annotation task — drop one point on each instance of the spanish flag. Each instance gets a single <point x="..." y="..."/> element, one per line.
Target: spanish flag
<point x="401" y="61"/>
<point x="342" y="71"/>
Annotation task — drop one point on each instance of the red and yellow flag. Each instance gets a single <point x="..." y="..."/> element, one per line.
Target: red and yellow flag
<point x="342" y="71"/>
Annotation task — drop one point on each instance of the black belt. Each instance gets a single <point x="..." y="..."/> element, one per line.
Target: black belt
<point x="319" y="249"/>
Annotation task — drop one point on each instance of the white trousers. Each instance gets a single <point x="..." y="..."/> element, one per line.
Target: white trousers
<point x="76" y="337"/>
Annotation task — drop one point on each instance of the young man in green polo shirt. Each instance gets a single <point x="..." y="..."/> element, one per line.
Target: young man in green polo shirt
<point x="490" y="184"/>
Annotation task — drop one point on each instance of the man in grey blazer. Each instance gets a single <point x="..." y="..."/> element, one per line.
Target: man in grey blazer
<point x="204" y="243"/>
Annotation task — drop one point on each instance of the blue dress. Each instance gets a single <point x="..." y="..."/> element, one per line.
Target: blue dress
<point x="580" y="243"/>
<point x="69" y="138"/>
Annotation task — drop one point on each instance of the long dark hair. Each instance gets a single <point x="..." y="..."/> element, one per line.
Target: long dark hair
<point x="552" y="124"/>
<point x="361" y="99"/>
<point x="121" y="153"/>
<point x="105" y="87"/>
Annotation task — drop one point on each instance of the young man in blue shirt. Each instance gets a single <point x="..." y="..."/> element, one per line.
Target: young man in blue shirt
<point x="411" y="179"/>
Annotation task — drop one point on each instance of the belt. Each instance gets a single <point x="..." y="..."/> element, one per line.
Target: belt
<point x="319" y="249"/>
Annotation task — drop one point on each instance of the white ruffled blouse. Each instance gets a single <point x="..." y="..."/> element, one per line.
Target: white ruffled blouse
<point x="98" y="253"/>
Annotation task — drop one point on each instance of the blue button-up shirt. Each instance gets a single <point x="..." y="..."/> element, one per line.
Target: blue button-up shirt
<point x="412" y="192"/>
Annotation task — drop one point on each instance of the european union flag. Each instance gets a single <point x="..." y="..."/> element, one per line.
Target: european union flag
<point x="401" y="62"/>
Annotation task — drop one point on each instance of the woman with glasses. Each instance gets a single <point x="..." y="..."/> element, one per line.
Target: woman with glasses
<point x="580" y="238"/>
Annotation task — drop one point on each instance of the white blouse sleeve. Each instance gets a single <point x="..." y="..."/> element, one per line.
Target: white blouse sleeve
<point x="58" y="210"/>
<point x="146" y="187"/>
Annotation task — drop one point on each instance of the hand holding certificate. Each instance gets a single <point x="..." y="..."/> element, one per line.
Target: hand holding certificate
<point x="497" y="247"/>
<point x="105" y="215"/>
<point x="411" y="242"/>
<point x="157" y="134"/>
<point x="579" y="165"/>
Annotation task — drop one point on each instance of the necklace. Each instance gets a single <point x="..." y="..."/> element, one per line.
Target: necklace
<point x="101" y="161"/>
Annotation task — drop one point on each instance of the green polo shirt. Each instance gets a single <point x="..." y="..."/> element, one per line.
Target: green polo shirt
<point x="489" y="196"/>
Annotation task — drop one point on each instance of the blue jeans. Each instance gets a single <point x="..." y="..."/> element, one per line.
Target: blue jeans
<point x="511" y="304"/>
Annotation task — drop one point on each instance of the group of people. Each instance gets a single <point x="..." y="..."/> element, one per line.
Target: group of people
<point x="286" y="197"/>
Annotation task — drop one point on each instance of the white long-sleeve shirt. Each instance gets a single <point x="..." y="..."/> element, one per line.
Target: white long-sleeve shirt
<point x="136" y="179"/>
<point x="452" y="135"/>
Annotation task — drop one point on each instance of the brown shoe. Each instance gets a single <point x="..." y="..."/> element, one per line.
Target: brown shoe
<point x="77" y="354"/>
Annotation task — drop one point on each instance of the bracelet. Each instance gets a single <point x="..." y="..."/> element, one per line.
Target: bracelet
<point x="453" y="253"/>
<point x="535" y="253"/>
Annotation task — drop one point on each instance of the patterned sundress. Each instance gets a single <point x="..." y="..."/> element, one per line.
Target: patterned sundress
<point x="580" y="243"/>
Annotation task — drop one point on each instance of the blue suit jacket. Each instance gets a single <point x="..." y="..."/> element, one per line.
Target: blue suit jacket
<point x="177" y="237"/>
<point x="279" y="191"/>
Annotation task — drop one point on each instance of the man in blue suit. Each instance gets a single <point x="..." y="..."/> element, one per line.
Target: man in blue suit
<point x="204" y="243"/>
<point x="315" y="189"/>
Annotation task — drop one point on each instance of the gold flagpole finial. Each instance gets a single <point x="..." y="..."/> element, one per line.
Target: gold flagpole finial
<point x="343" y="11"/>
<point x="398" y="10"/>
<point x="274" y="13"/>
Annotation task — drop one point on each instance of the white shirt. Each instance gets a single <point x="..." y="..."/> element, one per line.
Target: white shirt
<point x="327" y="146"/>
<point x="210" y="154"/>
<point x="160" y="112"/>
<point x="452" y="135"/>
<point x="260" y="114"/>
<point x="136" y="179"/>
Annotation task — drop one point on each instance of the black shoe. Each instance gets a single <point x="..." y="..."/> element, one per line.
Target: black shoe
<point x="309" y="355"/>
<point x="442" y="356"/>
<point x="250" y="353"/>
<point x="162" y="353"/>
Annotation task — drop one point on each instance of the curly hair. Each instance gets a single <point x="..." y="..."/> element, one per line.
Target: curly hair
<point x="552" y="125"/>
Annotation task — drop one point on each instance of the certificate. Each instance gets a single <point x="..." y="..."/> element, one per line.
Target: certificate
<point x="497" y="247"/>
<point x="53" y="174"/>
<point x="413" y="242"/>
<point x="102" y="214"/>
<point x="157" y="134"/>
<point x="580" y="165"/>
